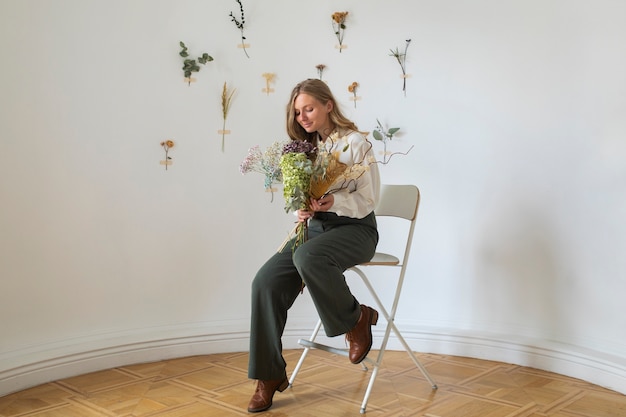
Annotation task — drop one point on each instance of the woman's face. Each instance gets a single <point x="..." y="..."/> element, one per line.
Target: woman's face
<point x="312" y="114"/>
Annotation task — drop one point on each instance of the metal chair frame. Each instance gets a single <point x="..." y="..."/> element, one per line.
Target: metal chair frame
<point x="400" y="201"/>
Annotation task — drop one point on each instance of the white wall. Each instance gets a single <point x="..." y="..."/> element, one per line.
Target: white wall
<point x="515" y="111"/>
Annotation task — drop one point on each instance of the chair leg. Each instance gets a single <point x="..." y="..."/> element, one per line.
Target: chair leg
<point x="368" y="391"/>
<point x="390" y="320"/>
<point x="379" y="360"/>
<point x="389" y="317"/>
<point x="413" y="357"/>
<point x="316" y="330"/>
<point x="383" y="347"/>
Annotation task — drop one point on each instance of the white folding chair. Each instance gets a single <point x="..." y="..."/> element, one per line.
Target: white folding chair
<point x="399" y="201"/>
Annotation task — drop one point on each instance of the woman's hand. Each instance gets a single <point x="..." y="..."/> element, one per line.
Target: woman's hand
<point x="304" y="215"/>
<point x="322" y="204"/>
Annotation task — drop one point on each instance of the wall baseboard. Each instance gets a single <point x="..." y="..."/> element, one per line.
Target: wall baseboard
<point x="599" y="368"/>
<point x="595" y="367"/>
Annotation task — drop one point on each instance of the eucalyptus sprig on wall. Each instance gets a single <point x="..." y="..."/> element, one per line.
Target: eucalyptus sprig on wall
<point x="190" y="65"/>
<point x="384" y="135"/>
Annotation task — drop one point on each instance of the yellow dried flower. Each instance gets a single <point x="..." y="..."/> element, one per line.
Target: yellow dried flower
<point x="328" y="169"/>
<point x="269" y="76"/>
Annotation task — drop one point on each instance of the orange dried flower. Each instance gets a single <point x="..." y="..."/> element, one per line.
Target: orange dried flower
<point x="340" y="17"/>
<point x="352" y="88"/>
<point x="167" y="144"/>
<point x="339" y="25"/>
<point x="320" y="69"/>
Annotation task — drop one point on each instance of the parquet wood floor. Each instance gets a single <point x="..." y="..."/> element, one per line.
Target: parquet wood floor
<point x="327" y="385"/>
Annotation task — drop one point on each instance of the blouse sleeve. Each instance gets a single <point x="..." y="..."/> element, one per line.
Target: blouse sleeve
<point x="357" y="197"/>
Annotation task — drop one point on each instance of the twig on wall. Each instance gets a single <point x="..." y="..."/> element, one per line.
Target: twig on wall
<point x="401" y="58"/>
<point x="240" y="23"/>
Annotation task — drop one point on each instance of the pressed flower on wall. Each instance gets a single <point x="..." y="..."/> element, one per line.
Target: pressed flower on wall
<point x="167" y="145"/>
<point x="190" y="65"/>
<point x="320" y="70"/>
<point x="339" y="26"/>
<point x="352" y="88"/>
<point x="269" y="78"/>
<point x="240" y="23"/>
<point x="401" y="58"/>
<point x="384" y="135"/>
<point x="226" y="101"/>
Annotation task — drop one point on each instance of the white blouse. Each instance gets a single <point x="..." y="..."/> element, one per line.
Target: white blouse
<point x="357" y="194"/>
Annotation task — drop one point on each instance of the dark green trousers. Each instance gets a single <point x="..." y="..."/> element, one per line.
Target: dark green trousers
<point x="335" y="244"/>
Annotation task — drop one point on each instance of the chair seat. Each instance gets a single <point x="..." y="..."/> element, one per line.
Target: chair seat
<point x="383" y="259"/>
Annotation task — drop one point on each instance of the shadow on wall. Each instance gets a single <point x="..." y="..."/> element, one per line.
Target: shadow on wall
<point x="518" y="284"/>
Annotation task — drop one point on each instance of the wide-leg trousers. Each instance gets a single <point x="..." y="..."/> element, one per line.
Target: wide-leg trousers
<point x="335" y="243"/>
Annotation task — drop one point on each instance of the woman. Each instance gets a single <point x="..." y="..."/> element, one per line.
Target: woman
<point x="341" y="233"/>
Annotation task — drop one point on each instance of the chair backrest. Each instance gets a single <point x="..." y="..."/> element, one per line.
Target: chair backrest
<point x="398" y="201"/>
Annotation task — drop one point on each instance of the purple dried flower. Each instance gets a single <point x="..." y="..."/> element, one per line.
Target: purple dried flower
<point x="298" y="146"/>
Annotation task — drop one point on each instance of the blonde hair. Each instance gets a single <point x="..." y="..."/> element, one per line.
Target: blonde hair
<point x="318" y="90"/>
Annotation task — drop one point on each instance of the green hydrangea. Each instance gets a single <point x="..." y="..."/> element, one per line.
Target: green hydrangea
<point x="296" y="169"/>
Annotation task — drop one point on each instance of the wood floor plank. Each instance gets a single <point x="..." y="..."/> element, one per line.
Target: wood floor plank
<point x="327" y="385"/>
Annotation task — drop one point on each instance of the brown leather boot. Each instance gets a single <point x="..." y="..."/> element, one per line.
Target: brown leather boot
<point x="360" y="337"/>
<point x="262" y="398"/>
